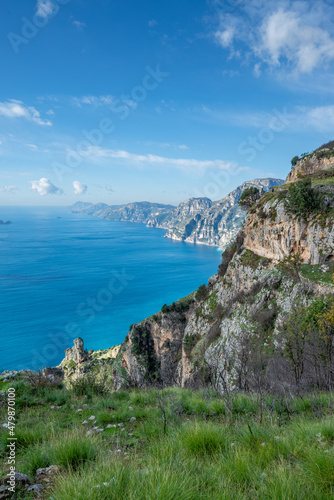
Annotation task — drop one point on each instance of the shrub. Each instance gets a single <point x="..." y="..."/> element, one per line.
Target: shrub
<point x="88" y="384"/>
<point x="39" y="380"/>
<point x="294" y="160"/>
<point x="201" y="292"/>
<point x="143" y="347"/>
<point x="249" y="196"/>
<point x="303" y="199"/>
<point x="229" y="253"/>
<point x="179" y="307"/>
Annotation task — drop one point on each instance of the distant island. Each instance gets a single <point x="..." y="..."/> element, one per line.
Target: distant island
<point x="4" y="223"/>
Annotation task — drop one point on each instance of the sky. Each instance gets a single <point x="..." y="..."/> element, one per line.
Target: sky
<point x="117" y="101"/>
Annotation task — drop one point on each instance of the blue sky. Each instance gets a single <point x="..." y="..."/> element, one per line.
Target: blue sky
<point x="119" y="101"/>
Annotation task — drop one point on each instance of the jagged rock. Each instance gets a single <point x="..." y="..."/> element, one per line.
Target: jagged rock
<point x="309" y="165"/>
<point x="219" y="223"/>
<point x="77" y="353"/>
<point x="197" y="220"/>
<point x="36" y="488"/>
<point x="21" y="479"/>
<point x="5" y="493"/>
<point x="47" y="475"/>
<point x="202" y="338"/>
<point x="276" y="234"/>
<point x="22" y="482"/>
<point x="54" y="374"/>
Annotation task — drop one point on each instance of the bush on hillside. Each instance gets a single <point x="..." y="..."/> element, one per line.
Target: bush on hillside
<point x="294" y="160"/>
<point x="201" y="292"/>
<point x="302" y="198"/>
<point x="249" y="196"/>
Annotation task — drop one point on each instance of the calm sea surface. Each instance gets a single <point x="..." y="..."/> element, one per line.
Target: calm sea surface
<point x="64" y="275"/>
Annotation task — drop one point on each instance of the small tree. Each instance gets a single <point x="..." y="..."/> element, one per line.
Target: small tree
<point x="303" y="199"/>
<point x="249" y="196"/>
<point x="294" y="160"/>
<point x="201" y="292"/>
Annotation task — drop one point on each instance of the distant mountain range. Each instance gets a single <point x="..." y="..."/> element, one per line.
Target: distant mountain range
<point x="197" y="220"/>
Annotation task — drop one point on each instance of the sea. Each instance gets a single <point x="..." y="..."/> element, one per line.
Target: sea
<point x="65" y="275"/>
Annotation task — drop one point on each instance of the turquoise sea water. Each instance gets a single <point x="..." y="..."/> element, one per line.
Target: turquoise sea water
<point x="64" y="275"/>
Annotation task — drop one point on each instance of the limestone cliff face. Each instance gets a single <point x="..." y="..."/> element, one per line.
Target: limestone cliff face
<point x="219" y="224"/>
<point x="209" y="337"/>
<point x="152" y="350"/>
<point x="244" y="304"/>
<point x="310" y="165"/>
<point x="197" y="220"/>
<point x="183" y="212"/>
<point x="273" y="233"/>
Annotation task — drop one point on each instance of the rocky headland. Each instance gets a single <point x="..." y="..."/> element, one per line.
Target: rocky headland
<point x="279" y="262"/>
<point x="197" y="220"/>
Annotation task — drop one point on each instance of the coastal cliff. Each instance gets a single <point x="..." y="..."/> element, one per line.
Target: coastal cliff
<point x="220" y="223"/>
<point x="197" y="220"/>
<point x="223" y="332"/>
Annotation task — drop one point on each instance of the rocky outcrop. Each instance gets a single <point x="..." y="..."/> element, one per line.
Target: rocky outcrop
<point x="221" y="334"/>
<point x="220" y="223"/>
<point x="78" y="362"/>
<point x="152" y="349"/>
<point x="311" y="165"/>
<point x="197" y="220"/>
<point x="272" y="232"/>
<point x="17" y="485"/>
<point x="77" y="353"/>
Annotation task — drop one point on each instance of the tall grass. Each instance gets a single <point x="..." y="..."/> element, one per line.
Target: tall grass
<point x="206" y="453"/>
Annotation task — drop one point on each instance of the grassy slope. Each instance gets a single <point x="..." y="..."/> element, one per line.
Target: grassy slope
<point x="207" y="451"/>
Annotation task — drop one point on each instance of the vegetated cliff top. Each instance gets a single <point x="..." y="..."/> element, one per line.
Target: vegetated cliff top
<point x="310" y="164"/>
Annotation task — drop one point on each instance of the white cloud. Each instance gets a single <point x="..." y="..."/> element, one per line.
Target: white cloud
<point x="257" y="70"/>
<point x="183" y="146"/>
<point x="107" y="187"/>
<point x="102" y="100"/>
<point x="79" y="25"/>
<point x="152" y="23"/>
<point x="79" y="188"/>
<point x="45" y="8"/>
<point x="149" y="159"/>
<point x="8" y="189"/>
<point x="45" y="187"/>
<point x="284" y="35"/>
<point x="33" y="147"/>
<point x="225" y="37"/>
<point x="16" y="109"/>
<point x="320" y="118"/>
